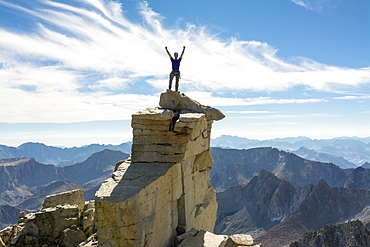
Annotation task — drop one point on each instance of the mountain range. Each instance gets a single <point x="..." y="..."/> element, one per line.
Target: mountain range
<point x="278" y="213"/>
<point x="56" y="155"/>
<point x="355" y="151"/>
<point x="237" y="167"/>
<point x="344" y="152"/>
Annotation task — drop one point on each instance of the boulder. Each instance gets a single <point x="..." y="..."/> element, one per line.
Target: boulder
<point x="188" y="234"/>
<point x="180" y="102"/>
<point x="239" y="240"/>
<point x="73" y="197"/>
<point x="204" y="239"/>
<point x="71" y="237"/>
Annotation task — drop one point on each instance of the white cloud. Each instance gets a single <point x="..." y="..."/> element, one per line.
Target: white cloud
<point x="353" y="97"/>
<point x="251" y="112"/>
<point x="316" y="5"/>
<point x="81" y="64"/>
<point x="208" y="99"/>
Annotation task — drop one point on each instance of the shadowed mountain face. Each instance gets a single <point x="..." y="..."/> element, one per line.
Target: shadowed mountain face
<point x="7" y="215"/>
<point x="283" y="212"/>
<point x="95" y="169"/>
<point x="353" y="233"/>
<point x="237" y="167"/>
<point x="358" y="179"/>
<point x="262" y="203"/>
<point x="322" y="157"/>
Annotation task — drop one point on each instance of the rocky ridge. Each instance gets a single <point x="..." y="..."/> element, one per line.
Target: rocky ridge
<point x="352" y="233"/>
<point x="238" y="167"/>
<point x="281" y="213"/>
<point x="352" y="149"/>
<point x="55" y="155"/>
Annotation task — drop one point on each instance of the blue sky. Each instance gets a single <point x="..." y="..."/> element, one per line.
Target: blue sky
<point x="73" y="72"/>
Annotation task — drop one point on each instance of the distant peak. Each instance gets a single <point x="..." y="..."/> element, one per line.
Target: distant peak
<point x="32" y="143"/>
<point x="265" y="174"/>
<point x="366" y="165"/>
<point x="322" y="184"/>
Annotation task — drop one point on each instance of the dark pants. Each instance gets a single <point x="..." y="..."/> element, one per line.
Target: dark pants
<point x="173" y="74"/>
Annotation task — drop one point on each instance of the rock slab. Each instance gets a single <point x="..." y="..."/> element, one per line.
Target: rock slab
<point x="180" y="102"/>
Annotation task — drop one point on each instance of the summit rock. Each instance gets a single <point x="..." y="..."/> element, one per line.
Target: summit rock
<point x="180" y="102"/>
<point x="164" y="189"/>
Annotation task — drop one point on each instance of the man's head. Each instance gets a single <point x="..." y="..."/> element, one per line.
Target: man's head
<point x="176" y="55"/>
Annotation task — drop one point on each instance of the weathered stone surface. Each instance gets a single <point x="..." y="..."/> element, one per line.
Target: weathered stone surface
<point x="154" y="114"/>
<point x="157" y="157"/>
<point x="160" y="127"/>
<point x="204" y="239"/>
<point x="73" y="197"/>
<point x="188" y="234"/>
<point x="200" y="206"/>
<point x="71" y="237"/>
<point x="59" y="225"/>
<point x="162" y="149"/>
<point x="239" y="240"/>
<point x="87" y="221"/>
<point x="52" y="221"/>
<point x="145" y="201"/>
<point x="165" y="186"/>
<point x="180" y="102"/>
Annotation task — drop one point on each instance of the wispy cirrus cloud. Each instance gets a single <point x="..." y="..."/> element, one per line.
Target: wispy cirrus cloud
<point x="208" y="99"/>
<point x="86" y="61"/>
<point x="353" y="97"/>
<point x="316" y="5"/>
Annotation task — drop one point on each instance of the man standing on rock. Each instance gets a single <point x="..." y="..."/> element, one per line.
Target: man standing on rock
<point x="175" y="68"/>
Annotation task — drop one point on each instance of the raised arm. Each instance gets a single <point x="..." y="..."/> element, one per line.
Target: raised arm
<point x="182" y="53"/>
<point x="169" y="54"/>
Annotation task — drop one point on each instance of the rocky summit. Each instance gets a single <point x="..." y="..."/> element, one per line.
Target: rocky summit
<point x="164" y="189"/>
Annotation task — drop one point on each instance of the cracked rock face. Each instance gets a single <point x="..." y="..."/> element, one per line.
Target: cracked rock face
<point x="164" y="189"/>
